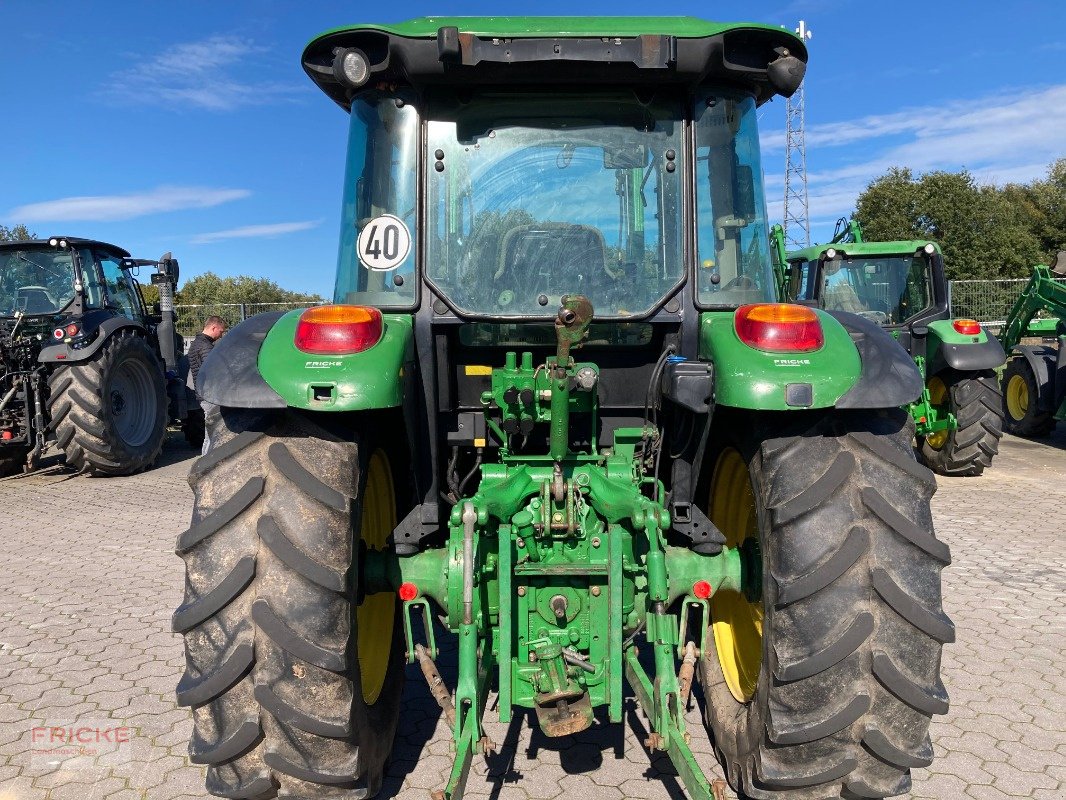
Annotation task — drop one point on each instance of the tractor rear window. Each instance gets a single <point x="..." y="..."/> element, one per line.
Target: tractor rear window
<point x="887" y="289"/>
<point x="35" y="281"/>
<point x="532" y="197"/>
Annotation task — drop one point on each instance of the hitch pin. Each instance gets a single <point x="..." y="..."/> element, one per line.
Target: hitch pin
<point x="578" y="660"/>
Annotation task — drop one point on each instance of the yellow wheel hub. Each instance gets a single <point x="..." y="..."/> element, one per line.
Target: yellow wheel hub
<point x="376" y="615"/>
<point x="737" y="621"/>
<point x="1017" y="397"/>
<point x="938" y="397"/>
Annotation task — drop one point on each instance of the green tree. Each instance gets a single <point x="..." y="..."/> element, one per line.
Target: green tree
<point x="1043" y="202"/>
<point x="15" y="234"/>
<point x="209" y="289"/>
<point x="984" y="231"/>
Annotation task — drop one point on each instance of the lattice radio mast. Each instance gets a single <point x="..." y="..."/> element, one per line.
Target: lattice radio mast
<point x="797" y="224"/>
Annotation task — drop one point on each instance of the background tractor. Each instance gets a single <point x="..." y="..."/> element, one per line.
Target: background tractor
<point x="84" y="362"/>
<point x="1034" y="382"/>
<point x="902" y="287"/>
<point x="556" y="406"/>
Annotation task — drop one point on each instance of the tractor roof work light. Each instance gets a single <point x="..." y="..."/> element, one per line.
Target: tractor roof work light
<point x="351" y="67"/>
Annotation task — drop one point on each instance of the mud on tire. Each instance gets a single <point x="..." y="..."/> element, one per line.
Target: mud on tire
<point x="272" y="668"/>
<point x="852" y="626"/>
<point x="109" y="414"/>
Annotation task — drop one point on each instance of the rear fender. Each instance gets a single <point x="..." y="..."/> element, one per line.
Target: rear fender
<point x="859" y="366"/>
<point x="257" y="365"/>
<point x="372" y="379"/>
<point x="64" y="353"/>
<point x="947" y="348"/>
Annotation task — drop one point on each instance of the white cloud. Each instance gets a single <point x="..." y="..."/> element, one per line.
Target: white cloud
<point x="116" y="207"/>
<point x="205" y="74"/>
<point x="1000" y="138"/>
<point x="255" y="231"/>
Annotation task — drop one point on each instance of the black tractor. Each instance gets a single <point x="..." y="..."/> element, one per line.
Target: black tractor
<point x="84" y="361"/>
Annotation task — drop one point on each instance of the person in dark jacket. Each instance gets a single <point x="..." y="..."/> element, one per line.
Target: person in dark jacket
<point x="214" y="327"/>
<point x="201" y="346"/>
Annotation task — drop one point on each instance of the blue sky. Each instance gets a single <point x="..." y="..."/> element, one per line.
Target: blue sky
<point x="190" y="126"/>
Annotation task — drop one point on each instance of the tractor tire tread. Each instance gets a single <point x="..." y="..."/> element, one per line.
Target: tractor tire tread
<point x="271" y="660"/>
<point x="80" y="415"/>
<point x="977" y="403"/>
<point x="855" y="626"/>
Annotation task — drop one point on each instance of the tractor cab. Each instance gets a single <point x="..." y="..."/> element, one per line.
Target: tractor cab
<point x="890" y="283"/>
<point x="64" y="276"/>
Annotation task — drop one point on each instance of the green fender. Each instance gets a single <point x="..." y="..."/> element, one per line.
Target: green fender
<point x="946" y="347"/>
<point x="371" y="379"/>
<point x="755" y="379"/>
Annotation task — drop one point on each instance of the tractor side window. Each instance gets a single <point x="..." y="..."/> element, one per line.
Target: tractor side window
<point x="120" y="293"/>
<point x="376" y="263"/>
<point x="800" y="286"/>
<point x="733" y="263"/>
<point x="90" y="279"/>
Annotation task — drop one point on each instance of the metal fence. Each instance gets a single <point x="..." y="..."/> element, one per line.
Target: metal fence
<point x="191" y="319"/>
<point x="988" y="302"/>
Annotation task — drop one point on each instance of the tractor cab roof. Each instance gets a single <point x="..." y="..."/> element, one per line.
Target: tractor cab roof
<point x="861" y="249"/>
<point x="560" y="51"/>
<point x="74" y="240"/>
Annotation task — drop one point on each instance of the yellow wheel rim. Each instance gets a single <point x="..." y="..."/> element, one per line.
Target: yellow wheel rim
<point x="736" y="620"/>
<point x="938" y="397"/>
<point x="376" y="615"/>
<point x="1017" y="397"/>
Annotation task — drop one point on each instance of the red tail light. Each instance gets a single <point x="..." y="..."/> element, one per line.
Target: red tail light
<point x="408" y="591"/>
<point x="335" y="330"/>
<point x="779" y="328"/>
<point x="702" y="590"/>
<point x="967" y="327"/>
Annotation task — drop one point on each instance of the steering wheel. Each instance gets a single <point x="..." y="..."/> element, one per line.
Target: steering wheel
<point x="740" y="282"/>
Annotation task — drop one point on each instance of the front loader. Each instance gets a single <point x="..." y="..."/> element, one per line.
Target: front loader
<point x="1034" y="382"/>
<point x="556" y="406"/>
<point x="902" y="287"/>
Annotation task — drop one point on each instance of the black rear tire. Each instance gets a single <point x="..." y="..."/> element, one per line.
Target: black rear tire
<point x="974" y="398"/>
<point x="109" y="414"/>
<point x="271" y="641"/>
<point x="1021" y="393"/>
<point x="851" y="616"/>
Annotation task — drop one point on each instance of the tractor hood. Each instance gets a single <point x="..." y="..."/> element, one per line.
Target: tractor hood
<point x="680" y="51"/>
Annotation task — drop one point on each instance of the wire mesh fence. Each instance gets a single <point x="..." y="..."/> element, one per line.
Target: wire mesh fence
<point x="191" y="319"/>
<point x="989" y="302"/>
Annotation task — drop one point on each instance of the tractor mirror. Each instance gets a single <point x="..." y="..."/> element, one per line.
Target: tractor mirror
<point x="743" y="191"/>
<point x="625" y="158"/>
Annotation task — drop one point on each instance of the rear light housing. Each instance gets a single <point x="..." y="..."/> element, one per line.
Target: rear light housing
<point x="779" y="328"/>
<point x="967" y="327"/>
<point x="338" y="329"/>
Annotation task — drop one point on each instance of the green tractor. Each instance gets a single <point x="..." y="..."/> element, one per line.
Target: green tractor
<point x="1034" y="382"/>
<point x="557" y="407"/>
<point x="901" y="287"/>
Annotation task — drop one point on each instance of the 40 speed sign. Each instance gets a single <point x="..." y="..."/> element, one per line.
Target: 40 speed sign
<point x="384" y="243"/>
